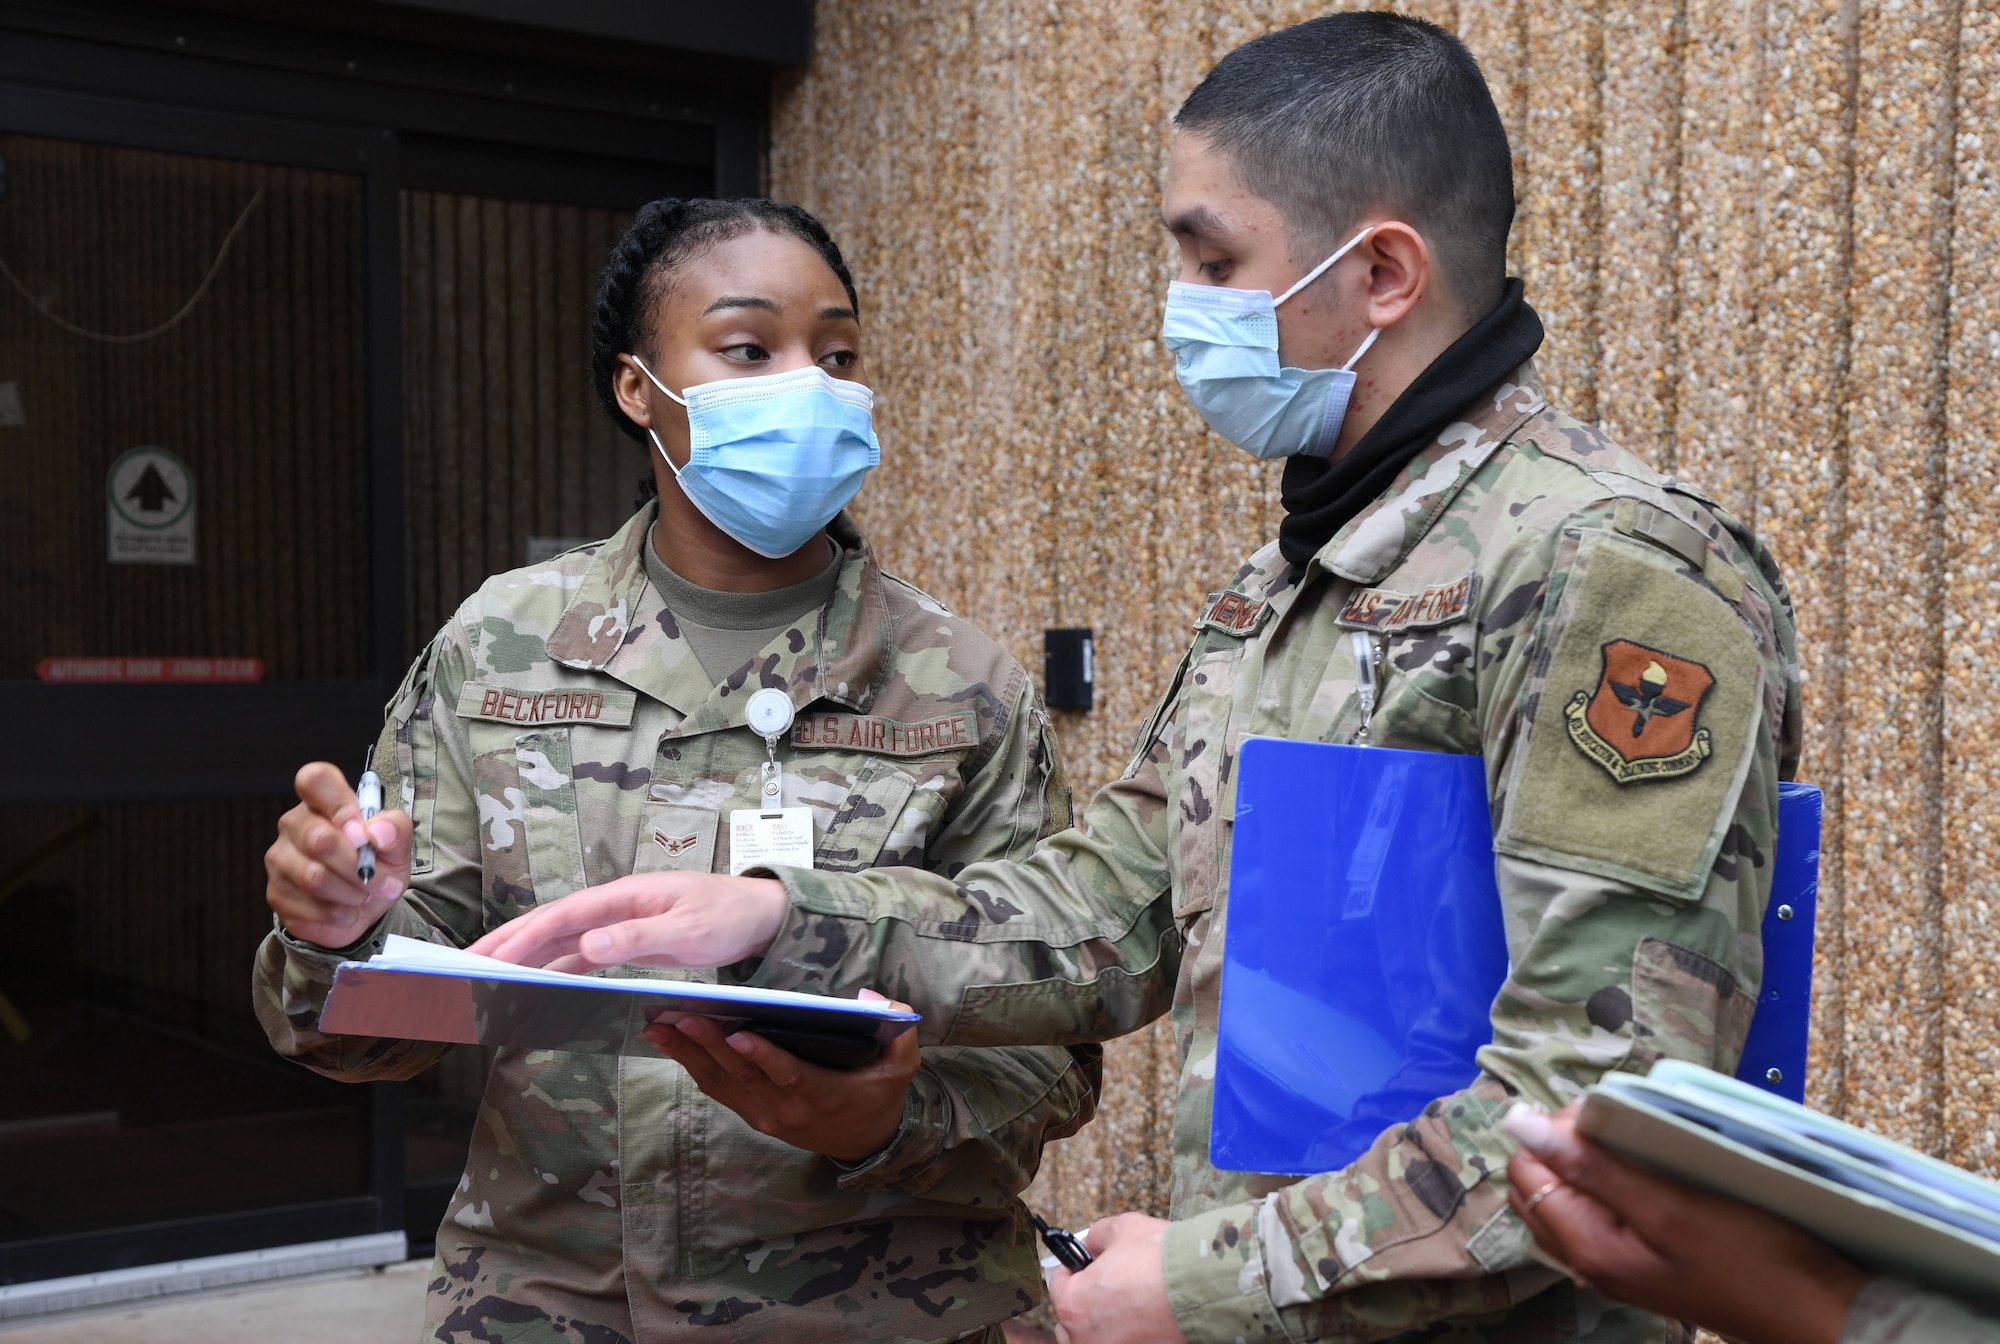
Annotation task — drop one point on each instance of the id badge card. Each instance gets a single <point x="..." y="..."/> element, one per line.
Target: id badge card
<point x="777" y="838"/>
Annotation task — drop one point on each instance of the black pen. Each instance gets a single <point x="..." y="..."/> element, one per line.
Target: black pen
<point x="1066" y="1247"/>
<point x="369" y="790"/>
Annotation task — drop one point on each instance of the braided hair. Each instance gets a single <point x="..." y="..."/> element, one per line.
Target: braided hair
<point x="665" y="235"/>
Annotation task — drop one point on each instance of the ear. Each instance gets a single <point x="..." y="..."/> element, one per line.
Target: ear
<point x="1399" y="271"/>
<point x="631" y="386"/>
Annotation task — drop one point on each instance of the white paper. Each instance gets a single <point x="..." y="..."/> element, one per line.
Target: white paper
<point x="1840" y="1145"/>
<point x="780" y="839"/>
<point x="414" y="954"/>
<point x="1877" y="1232"/>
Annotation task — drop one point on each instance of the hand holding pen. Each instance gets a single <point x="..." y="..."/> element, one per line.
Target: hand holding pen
<point x="1121" y="1297"/>
<point x="335" y="868"/>
<point x="1066" y="1247"/>
<point x="369" y="794"/>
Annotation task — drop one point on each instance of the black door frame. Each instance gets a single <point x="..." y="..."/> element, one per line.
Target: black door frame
<point x="194" y="714"/>
<point x="119" y="75"/>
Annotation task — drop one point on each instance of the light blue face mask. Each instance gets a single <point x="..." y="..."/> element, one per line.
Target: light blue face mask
<point x="772" y="459"/>
<point x="1225" y="344"/>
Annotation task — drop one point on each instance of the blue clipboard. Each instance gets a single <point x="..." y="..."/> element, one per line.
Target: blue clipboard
<point x="1774" y="1054"/>
<point x="1363" y="947"/>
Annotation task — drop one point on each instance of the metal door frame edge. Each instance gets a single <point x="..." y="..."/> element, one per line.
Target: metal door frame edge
<point x="179" y="1278"/>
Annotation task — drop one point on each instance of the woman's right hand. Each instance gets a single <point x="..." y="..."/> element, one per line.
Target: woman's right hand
<point x="312" y="881"/>
<point x="1669" y="1248"/>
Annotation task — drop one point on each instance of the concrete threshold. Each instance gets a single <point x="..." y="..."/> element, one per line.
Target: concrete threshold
<point x="348" y="1306"/>
<point x="176" y="1277"/>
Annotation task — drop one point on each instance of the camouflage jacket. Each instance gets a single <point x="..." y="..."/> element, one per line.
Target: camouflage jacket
<point x="559" y="733"/>
<point x="1510" y="575"/>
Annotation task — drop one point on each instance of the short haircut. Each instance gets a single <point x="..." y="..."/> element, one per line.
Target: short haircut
<point x="1367" y="110"/>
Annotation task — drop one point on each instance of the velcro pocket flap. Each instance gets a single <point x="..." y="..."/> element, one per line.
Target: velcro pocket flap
<point x="853" y="838"/>
<point x="549" y="812"/>
<point x="677" y="838"/>
<point x="1688" y="1005"/>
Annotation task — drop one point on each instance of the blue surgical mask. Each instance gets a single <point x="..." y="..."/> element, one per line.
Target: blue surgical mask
<point x="772" y="459"/>
<point x="1225" y="344"/>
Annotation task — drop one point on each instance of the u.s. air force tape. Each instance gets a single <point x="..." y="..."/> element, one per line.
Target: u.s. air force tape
<point x="887" y="737"/>
<point x="510" y="704"/>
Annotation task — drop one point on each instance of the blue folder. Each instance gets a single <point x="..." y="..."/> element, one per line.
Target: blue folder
<point x="1363" y="947"/>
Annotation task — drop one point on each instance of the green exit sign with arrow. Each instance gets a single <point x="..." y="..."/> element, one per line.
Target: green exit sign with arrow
<point x="149" y="501"/>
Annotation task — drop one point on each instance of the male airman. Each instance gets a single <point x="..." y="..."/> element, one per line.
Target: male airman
<point x="1618" y="648"/>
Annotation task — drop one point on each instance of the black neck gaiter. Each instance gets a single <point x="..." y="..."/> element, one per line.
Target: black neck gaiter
<point x="1320" y="496"/>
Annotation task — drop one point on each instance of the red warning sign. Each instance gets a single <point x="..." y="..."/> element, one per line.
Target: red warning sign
<point x="150" y="669"/>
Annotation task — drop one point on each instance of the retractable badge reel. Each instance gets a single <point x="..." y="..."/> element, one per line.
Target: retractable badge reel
<point x="1365" y="683"/>
<point x="770" y="835"/>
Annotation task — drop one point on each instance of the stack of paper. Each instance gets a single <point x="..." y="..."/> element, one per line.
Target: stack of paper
<point x="1887" y="1207"/>
<point x="414" y="990"/>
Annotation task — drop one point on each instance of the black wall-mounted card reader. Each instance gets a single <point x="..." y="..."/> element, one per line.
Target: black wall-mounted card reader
<point x="1067" y="668"/>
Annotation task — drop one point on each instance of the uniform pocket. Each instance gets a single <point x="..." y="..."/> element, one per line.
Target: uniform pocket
<point x="1688" y="1005"/>
<point x="1201" y="756"/>
<point x="677" y="839"/>
<point x="1642" y="728"/>
<point x="909" y="836"/>
<point x="548" y="813"/>
<point x="1414" y="718"/>
<point x="416" y="761"/>
<point x="415" y="736"/>
<point x="854" y="837"/>
<point x="998" y="1086"/>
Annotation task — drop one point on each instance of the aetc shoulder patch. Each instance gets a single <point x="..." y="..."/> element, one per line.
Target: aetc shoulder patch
<point x="1643" y="719"/>
<point x="1644" y="707"/>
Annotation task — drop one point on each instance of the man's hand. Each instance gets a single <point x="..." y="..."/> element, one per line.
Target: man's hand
<point x="310" y="878"/>
<point x="689" y="921"/>
<point x="1681" y="1252"/>
<point x="1122" y="1297"/>
<point x="848" y="1114"/>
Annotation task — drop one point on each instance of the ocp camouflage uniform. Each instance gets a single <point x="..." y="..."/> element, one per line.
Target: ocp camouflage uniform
<point x="559" y="733"/>
<point x="1888" y="1311"/>
<point x="1620" y="651"/>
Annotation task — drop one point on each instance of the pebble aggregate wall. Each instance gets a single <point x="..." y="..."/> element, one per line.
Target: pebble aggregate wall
<point x="1762" y="235"/>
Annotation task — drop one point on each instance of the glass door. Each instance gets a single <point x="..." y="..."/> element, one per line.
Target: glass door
<point x="185" y="429"/>
<point x="225" y="346"/>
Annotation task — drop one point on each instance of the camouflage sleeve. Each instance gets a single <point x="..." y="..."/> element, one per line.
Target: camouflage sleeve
<point x="976" y="1120"/>
<point x="425" y="768"/>
<point x="1633" y="907"/>
<point x="1891" y="1312"/>
<point x="1074" y="941"/>
<point x="1018" y="796"/>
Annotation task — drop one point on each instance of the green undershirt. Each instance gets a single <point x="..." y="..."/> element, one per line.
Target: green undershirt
<point x="727" y="630"/>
